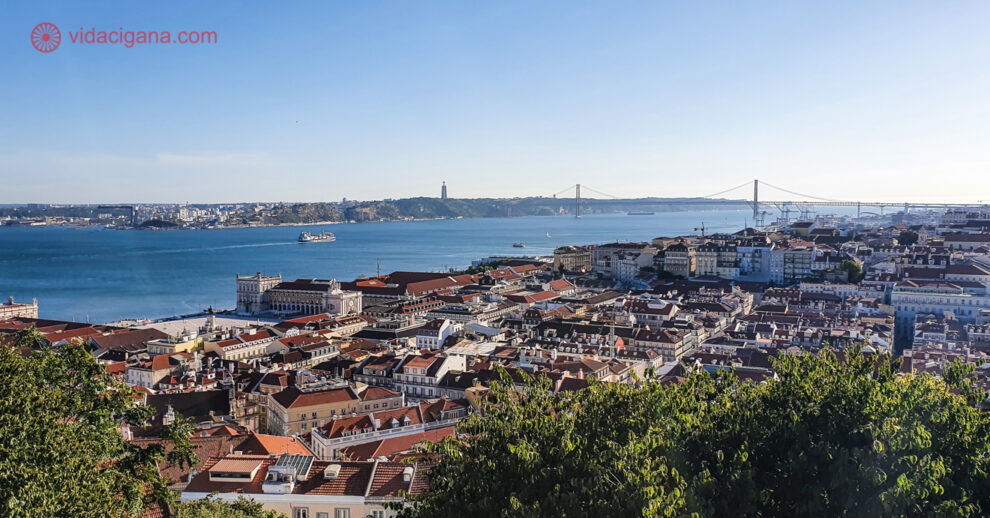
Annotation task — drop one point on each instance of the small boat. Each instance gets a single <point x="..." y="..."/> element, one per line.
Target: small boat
<point x="639" y="213"/>
<point x="306" y="237"/>
<point x="548" y="235"/>
<point x="518" y="245"/>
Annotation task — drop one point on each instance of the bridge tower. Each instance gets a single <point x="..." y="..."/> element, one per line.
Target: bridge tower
<point x="756" y="200"/>
<point x="577" y="201"/>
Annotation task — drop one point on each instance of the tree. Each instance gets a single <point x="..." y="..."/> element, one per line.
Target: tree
<point x="61" y="449"/>
<point x="834" y="434"/>
<point x="907" y="237"/>
<point x="853" y="270"/>
<point x="534" y="454"/>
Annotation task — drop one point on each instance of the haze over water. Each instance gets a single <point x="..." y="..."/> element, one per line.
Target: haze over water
<point x="104" y="275"/>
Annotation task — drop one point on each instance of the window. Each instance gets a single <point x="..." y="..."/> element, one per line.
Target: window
<point x="314" y="415"/>
<point x="300" y="512"/>
<point x="341" y="513"/>
<point x="378" y="513"/>
<point x="322" y="515"/>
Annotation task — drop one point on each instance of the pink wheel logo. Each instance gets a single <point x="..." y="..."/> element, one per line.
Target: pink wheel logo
<point x="45" y="37"/>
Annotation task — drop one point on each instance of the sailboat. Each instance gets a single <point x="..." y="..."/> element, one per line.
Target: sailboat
<point x="548" y="235"/>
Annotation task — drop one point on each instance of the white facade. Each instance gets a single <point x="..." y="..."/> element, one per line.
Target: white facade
<point x="251" y="291"/>
<point x="432" y="336"/>
<point x="909" y="299"/>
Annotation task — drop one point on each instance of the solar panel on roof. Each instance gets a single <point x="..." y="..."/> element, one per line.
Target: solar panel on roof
<point x="302" y="463"/>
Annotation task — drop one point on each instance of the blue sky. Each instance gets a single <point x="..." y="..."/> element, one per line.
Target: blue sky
<point x="367" y="100"/>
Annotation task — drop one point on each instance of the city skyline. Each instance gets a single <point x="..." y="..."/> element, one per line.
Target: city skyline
<point x="388" y="100"/>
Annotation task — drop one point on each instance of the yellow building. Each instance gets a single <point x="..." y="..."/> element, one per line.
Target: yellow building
<point x="295" y="411"/>
<point x="184" y="344"/>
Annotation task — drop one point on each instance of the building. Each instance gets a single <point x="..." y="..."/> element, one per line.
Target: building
<point x="171" y="345"/>
<point x="296" y="411"/>
<point x="299" y="486"/>
<point x="679" y="259"/>
<point x="706" y="260"/>
<point x="256" y="343"/>
<point x="418" y="376"/>
<point x="727" y="261"/>
<point x="576" y="259"/>
<point x="310" y="296"/>
<point x="269" y="294"/>
<point x="912" y="297"/>
<point x="435" y="333"/>
<point x="443" y="191"/>
<point x="11" y="309"/>
<point x="251" y="292"/>
<point x="754" y="259"/>
<point x="148" y="373"/>
<point x="622" y="261"/>
<point x="966" y="241"/>
<point x="790" y="263"/>
<point x="667" y="343"/>
<point x="330" y="439"/>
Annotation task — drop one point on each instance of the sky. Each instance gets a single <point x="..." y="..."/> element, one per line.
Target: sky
<point x="882" y="101"/>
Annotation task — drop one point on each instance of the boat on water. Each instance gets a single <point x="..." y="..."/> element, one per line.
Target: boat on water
<point x="518" y="245"/>
<point x="548" y="235"/>
<point x="306" y="237"/>
<point x="639" y="213"/>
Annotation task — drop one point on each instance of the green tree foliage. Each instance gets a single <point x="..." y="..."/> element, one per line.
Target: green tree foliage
<point x="907" y="237"/>
<point x="214" y="508"/>
<point x="830" y="436"/>
<point x="61" y="449"/>
<point x="852" y="269"/>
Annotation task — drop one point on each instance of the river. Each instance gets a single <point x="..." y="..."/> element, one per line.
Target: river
<point x="100" y="275"/>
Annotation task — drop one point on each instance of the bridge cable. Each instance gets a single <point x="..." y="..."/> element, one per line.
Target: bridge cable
<point x="802" y="195"/>
<point x="562" y="191"/>
<point x="725" y="191"/>
<point x="586" y="188"/>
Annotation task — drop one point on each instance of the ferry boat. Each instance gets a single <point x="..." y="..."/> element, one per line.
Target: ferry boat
<point x="518" y="245"/>
<point x="306" y="237"/>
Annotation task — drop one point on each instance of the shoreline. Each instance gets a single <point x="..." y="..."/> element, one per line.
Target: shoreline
<point x="301" y="224"/>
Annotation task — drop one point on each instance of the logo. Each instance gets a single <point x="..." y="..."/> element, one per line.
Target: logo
<point x="45" y="37"/>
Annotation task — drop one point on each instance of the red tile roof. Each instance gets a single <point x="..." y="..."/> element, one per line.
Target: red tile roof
<point x="394" y="445"/>
<point x="292" y="397"/>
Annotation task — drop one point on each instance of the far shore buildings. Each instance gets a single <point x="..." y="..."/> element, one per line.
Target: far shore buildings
<point x="259" y="294"/>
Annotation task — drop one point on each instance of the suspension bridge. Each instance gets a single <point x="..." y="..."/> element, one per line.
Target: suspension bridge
<point x="801" y="204"/>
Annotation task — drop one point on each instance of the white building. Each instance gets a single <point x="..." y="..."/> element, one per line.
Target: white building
<point x="418" y="376"/>
<point x="912" y="297"/>
<point x="251" y="292"/>
<point x="434" y="333"/>
<point x="789" y="264"/>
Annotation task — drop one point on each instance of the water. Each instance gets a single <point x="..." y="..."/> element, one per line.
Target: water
<point x="104" y="275"/>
